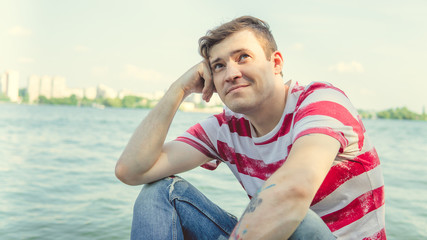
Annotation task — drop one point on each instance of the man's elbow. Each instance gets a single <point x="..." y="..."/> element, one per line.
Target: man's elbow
<point x="123" y="174"/>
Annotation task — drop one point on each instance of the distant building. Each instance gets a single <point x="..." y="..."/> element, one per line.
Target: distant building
<point x="215" y="101"/>
<point x="104" y="91"/>
<point x="194" y="98"/>
<point x="78" y="92"/>
<point x="126" y="92"/>
<point x="10" y="85"/>
<point x="3" y="85"/>
<point x="187" y="106"/>
<point x="59" y="87"/>
<point x="46" y="87"/>
<point x="90" y="93"/>
<point x="33" y="88"/>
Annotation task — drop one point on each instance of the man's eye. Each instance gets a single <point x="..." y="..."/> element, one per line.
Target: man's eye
<point x="218" y="66"/>
<point x="243" y="57"/>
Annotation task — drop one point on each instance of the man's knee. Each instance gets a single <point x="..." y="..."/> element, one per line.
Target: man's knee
<point x="159" y="190"/>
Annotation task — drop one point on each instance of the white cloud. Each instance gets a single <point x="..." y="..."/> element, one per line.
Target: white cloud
<point x="25" y="60"/>
<point x="19" y="31"/>
<point x="81" y="48"/>
<point x="347" y="67"/>
<point x="134" y="72"/>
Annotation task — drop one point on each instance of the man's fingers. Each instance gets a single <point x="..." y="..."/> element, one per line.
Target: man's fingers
<point x="207" y="96"/>
<point x="208" y="88"/>
<point x="207" y="91"/>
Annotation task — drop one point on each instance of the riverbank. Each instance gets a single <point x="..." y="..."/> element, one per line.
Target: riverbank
<point x="211" y="110"/>
<point x="402" y="113"/>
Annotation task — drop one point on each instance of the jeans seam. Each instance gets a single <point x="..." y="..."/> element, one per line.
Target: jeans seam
<point x="174" y="230"/>
<point x="203" y="212"/>
<point x="175" y="214"/>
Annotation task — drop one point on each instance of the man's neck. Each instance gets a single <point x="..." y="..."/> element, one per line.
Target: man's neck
<point x="265" y="119"/>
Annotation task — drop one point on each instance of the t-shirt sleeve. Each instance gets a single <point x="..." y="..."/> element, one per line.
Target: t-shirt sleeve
<point x="202" y="136"/>
<point x="325" y="109"/>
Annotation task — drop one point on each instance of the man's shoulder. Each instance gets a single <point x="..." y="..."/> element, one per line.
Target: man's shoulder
<point x="297" y="89"/>
<point x="320" y="85"/>
<point x="317" y="91"/>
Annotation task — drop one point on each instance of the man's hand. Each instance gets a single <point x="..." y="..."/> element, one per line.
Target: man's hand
<point x="198" y="79"/>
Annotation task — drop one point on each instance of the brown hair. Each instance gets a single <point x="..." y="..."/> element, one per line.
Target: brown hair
<point x="257" y="26"/>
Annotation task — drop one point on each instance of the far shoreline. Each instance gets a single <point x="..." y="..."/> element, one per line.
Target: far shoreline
<point x="394" y="114"/>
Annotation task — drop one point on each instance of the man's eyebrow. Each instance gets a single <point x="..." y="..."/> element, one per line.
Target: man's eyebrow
<point x="231" y="54"/>
<point x="214" y="61"/>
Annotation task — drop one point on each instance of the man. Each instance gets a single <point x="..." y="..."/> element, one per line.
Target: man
<point x="301" y="153"/>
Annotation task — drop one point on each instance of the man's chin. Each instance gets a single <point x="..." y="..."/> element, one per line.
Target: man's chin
<point x="239" y="107"/>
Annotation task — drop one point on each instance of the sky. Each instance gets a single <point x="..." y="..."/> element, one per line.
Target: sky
<point x="376" y="51"/>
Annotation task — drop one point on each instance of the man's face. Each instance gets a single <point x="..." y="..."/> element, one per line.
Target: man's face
<point x="243" y="77"/>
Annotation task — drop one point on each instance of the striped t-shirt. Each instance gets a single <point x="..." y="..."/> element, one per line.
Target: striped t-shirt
<point x="351" y="198"/>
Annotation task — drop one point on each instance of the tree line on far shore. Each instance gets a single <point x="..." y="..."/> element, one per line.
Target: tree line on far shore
<point x="73" y="100"/>
<point x="125" y="102"/>
<point x="393" y="113"/>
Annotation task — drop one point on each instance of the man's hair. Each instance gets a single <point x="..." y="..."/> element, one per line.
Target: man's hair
<point x="257" y="26"/>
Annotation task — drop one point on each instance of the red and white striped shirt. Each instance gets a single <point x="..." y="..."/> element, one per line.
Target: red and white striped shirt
<point x="351" y="198"/>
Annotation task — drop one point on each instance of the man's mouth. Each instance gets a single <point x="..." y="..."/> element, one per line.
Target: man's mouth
<point x="233" y="88"/>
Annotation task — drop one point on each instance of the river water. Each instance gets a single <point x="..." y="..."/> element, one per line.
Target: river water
<point x="57" y="173"/>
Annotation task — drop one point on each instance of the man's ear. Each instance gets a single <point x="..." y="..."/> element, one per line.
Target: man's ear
<point x="277" y="60"/>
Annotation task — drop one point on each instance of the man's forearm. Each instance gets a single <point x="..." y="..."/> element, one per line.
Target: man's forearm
<point x="273" y="213"/>
<point x="145" y="145"/>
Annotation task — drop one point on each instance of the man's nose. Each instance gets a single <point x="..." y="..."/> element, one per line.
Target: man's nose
<point x="233" y="72"/>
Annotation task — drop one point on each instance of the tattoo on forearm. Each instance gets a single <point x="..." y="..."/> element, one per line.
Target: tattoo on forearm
<point x="253" y="204"/>
<point x="269" y="186"/>
<point x="256" y="201"/>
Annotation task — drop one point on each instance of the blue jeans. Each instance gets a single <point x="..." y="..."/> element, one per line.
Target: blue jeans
<point x="172" y="208"/>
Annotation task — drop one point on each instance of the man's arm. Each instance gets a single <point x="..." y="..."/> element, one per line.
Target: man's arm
<point x="146" y="158"/>
<point x="282" y="203"/>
